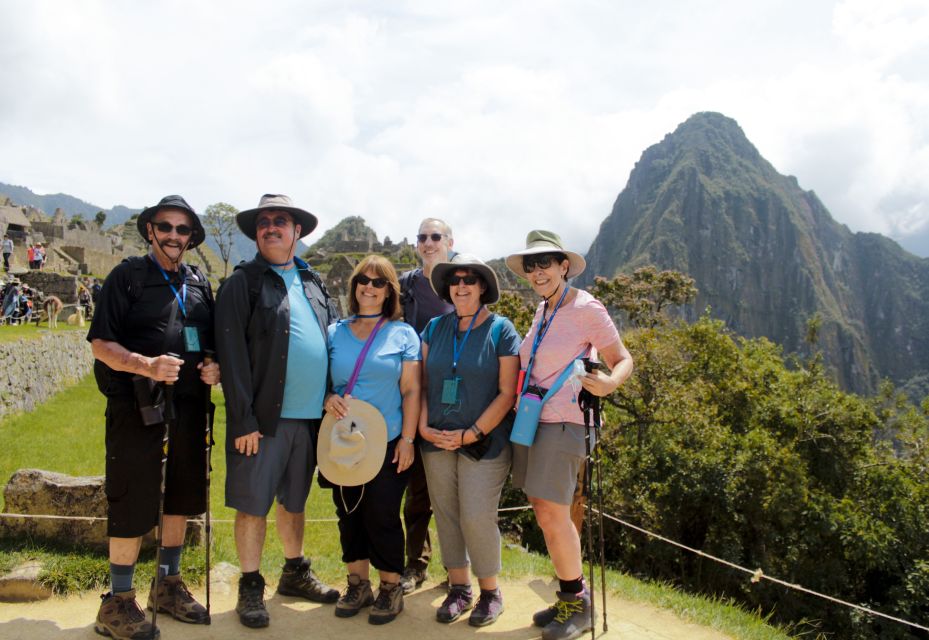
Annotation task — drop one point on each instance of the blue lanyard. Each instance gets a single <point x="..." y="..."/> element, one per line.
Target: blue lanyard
<point x="543" y="329"/>
<point x="456" y="351"/>
<point x="182" y="296"/>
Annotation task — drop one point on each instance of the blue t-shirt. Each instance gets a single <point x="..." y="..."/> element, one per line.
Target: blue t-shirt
<point x="478" y="373"/>
<point x="379" y="379"/>
<point x="307" y="360"/>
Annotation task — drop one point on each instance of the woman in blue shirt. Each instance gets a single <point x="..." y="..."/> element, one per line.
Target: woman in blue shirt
<point x="471" y="365"/>
<point x="370" y="529"/>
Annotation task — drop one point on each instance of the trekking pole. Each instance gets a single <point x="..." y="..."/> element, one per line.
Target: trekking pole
<point x="598" y="423"/>
<point x="208" y="359"/>
<point x="169" y="416"/>
<point x="590" y="540"/>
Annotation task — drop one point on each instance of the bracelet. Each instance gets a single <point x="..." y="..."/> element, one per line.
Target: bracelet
<point x="407" y="439"/>
<point x="478" y="434"/>
<point x="462" y="435"/>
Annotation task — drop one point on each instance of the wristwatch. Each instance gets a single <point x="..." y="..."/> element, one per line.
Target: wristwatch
<point x="478" y="434"/>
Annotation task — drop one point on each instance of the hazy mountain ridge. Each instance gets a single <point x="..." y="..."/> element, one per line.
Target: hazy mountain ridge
<point x="767" y="255"/>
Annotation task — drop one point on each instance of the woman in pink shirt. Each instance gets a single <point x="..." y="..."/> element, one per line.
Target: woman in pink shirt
<point x="569" y="323"/>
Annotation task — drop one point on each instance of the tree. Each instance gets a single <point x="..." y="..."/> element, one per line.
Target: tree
<point x="100" y="218"/>
<point x="516" y="309"/>
<point x="219" y="221"/>
<point x="644" y="294"/>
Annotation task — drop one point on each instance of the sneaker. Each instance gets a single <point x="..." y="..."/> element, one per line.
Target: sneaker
<point x="303" y="583"/>
<point x="357" y="596"/>
<point x="488" y="609"/>
<point x="174" y="598"/>
<point x="251" y="604"/>
<point x="572" y="617"/>
<point x="457" y="601"/>
<point x="388" y="605"/>
<point x="121" y="617"/>
<point x="545" y="616"/>
<point x="412" y="579"/>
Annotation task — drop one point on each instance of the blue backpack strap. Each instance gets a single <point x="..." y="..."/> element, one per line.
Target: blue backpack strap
<point x="430" y="328"/>
<point x="496" y="329"/>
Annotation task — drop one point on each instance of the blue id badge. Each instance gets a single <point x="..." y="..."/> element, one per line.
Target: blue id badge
<point x="191" y="339"/>
<point x="450" y="390"/>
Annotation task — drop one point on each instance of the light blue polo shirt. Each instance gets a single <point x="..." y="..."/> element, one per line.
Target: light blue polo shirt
<point x="307" y="359"/>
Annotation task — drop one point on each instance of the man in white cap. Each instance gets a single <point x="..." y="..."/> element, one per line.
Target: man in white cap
<point x="272" y="316"/>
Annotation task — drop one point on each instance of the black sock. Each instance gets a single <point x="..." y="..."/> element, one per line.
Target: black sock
<point x="251" y="576"/>
<point x="293" y="563"/>
<point x="572" y="586"/>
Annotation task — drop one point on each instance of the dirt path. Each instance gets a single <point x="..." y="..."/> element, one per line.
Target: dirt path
<point x="72" y="618"/>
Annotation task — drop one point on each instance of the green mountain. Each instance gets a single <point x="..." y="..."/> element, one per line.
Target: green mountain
<point x="69" y="204"/>
<point x="767" y="255"/>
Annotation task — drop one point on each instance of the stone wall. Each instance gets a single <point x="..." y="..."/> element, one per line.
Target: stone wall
<point x="52" y="284"/>
<point x="31" y="371"/>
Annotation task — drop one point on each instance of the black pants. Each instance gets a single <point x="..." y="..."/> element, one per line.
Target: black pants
<point x="6" y="262"/>
<point x="417" y="511"/>
<point x="369" y="517"/>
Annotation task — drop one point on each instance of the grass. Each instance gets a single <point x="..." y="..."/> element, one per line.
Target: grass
<point x="17" y="332"/>
<point x="66" y="435"/>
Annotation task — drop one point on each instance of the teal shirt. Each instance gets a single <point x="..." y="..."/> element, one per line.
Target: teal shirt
<point x="307" y="358"/>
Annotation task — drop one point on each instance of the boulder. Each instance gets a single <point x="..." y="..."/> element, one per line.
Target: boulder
<point x="46" y="493"/>
<point x="22" y="584"/>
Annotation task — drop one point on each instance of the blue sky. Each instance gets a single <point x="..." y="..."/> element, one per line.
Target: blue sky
<point x="497" y="116"/>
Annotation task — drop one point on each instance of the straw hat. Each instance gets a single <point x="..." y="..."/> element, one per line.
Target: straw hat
<point x="540" y="241"/>
<point x="350" y="451"/>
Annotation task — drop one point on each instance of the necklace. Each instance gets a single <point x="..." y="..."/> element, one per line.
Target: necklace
<point x="368" y="315"/>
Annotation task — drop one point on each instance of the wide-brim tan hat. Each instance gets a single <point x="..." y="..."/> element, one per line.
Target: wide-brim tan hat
<point x="540" y="241"/>
<point x="277" y="202"/>
<point x="464" y="261"/>
<point x="350" y="451"/>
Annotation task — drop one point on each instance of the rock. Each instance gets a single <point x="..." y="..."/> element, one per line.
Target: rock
<point x="22" y="584"/>
<point x="222" y="578"/>
<point x="46" y="493"/>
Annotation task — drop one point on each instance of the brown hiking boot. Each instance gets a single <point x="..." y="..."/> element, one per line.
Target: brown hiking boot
<point x="174" y="598"/>
<point x="388" y="605"/>
<point x="303" y="583"/>
<point x="357" y="596"/>
<point x="121" y="617"/>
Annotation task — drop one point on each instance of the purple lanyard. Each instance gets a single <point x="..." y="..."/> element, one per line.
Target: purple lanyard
<point x="361" y="357"/>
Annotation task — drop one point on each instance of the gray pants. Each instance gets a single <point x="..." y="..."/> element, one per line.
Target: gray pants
<point x="465" y="496"/>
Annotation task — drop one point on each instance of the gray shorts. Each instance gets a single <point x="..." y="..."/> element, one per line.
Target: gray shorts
<point x="282" y="469"/>
<point x="549" y="468"/>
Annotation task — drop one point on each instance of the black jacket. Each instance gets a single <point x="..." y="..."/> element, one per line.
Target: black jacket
<point x="252" y="335"/>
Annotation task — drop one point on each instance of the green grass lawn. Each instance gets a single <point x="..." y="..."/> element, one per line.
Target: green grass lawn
<point x="16" y="332"/>
<point x="66" y="435"/>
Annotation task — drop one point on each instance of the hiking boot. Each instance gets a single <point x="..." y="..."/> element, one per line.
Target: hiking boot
<point x="251" y="604"/>
<point x="572" y="617"/>
<point x="357" y="596"/>
<point x="412" y="579"/>
<point x="303" y="583"/>
<point x="121" y="617"/>
<point x="388" y="605"/>
<point x="545" y="616"/>
<point x="488" y="608"/>
<point x="457" y="601"/>
<point x="174" y="599"/>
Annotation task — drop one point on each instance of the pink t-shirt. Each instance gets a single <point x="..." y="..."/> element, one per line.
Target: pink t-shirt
<point x="582" y="322"/>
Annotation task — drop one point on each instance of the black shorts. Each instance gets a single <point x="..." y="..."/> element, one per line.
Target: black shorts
<point x="133" y="466"/>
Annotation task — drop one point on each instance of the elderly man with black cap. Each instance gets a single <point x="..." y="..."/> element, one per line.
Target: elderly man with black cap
<point x="152" y="326"/>
<point x="271" y="324"/>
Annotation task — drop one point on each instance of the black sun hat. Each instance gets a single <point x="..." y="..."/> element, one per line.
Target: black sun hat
<point x="172" y="202"/>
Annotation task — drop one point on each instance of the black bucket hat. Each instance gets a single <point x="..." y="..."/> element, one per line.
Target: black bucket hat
<point x="172" y="202"/>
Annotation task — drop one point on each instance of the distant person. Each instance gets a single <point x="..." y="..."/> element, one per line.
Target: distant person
<point x="420" y="305"/>
<point x="272" y="316"/>
<point x="40" y="256"/>
<point x="30" y="256"/>
<point x="569" y="323"/>
<point x="7" y="251"/>
<point x="150" y="307"/>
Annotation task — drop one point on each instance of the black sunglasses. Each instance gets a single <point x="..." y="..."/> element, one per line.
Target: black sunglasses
<point x="167" y="227"/>
<point x="455" y="280"/>
<point x="542" y="260"/>
<point x="280" y="222"/>
<point x="377" y="283"/>
<point x="422" y="237"/>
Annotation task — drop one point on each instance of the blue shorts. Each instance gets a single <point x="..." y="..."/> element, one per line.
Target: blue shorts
<point x="283" y="468"/>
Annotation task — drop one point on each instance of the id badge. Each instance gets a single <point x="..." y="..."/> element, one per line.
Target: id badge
<point x="450" y="390"/>
<point x="191" y="339"/>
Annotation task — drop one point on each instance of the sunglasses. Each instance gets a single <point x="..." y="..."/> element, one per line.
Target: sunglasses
<point x="167" y="227"/>
<point x="542" y="260"/>
<point x="280" y="222"/>
<point x="377" y="283"/>
<point x="435" y="237"/>
<point x="468" y="280"/>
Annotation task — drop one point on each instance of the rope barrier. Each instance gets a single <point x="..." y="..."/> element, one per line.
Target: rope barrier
<point x="757" y="575"/>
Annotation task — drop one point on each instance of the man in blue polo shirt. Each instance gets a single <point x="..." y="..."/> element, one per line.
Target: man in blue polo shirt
<point x="272" y="316"/>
